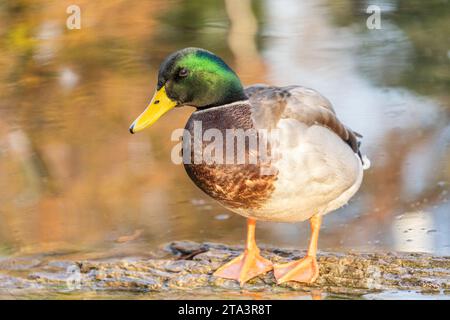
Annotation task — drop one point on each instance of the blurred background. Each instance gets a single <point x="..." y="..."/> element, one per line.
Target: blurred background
<point x="73" y="180"/>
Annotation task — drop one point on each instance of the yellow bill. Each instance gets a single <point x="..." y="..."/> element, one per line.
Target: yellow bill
<point x="159" y="105"/>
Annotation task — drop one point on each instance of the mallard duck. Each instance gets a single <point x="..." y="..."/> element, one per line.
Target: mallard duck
<point x="318" y="168"/>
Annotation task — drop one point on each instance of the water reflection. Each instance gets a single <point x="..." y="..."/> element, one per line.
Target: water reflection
<point x="73" y="179"/>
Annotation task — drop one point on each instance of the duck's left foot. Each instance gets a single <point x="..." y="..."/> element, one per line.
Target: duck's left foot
<point x="245" y="267"/>
<point x="305" y="270"/>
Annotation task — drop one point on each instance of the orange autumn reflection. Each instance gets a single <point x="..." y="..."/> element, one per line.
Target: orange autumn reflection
<point x="73" y="179"/>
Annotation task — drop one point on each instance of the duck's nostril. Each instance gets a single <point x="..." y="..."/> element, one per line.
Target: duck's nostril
<point x="156" y="102"/>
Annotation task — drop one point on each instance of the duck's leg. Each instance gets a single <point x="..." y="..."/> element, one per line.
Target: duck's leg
<point x="249" y="264"/>
<point x="306" y="269"/>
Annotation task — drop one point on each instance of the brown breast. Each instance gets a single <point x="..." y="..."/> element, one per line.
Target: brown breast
<point x="242" y="186"/>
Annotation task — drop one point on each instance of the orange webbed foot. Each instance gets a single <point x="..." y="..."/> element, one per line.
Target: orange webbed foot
<point x="305" y="270"/>
<point x="248" y="265"/>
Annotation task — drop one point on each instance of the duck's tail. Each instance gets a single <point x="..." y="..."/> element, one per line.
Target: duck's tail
<point x="365" y="162"/>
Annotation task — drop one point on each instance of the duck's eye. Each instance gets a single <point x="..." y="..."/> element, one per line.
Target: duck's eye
<point x="183" y="72"/>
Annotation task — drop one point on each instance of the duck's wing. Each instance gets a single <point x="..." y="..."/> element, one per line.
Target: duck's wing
<point x="271" y="104"/>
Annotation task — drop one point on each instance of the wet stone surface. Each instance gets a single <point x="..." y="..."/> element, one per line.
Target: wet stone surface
<point x="185" y="266"/>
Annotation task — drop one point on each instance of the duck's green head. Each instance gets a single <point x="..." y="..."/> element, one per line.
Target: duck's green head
<point x="193" y="77"/>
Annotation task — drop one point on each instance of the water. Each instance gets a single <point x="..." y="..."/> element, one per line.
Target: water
<point x="73" y="180"/>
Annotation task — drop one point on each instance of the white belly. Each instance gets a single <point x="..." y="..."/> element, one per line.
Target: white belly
<point x="317" y="173"/>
